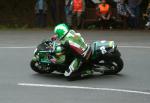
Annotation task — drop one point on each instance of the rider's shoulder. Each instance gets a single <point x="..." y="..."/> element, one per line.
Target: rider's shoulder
<point x="72" y="31"/>
<point x="78" y="34"/>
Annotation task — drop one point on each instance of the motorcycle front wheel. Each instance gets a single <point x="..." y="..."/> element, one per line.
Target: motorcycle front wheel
<point x="37" y="68"/>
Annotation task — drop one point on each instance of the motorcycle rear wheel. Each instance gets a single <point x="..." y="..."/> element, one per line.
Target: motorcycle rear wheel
<point x="114" y="66"/>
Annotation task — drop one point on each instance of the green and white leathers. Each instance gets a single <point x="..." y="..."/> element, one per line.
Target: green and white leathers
<point x="76" y="44"/>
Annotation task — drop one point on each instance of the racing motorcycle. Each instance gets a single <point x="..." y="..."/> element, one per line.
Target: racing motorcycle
<point x="105" y="58"/>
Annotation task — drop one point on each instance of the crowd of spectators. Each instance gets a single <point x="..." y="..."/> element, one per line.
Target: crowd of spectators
<point x="108" y="14"/>
<point x="124" y="14"/>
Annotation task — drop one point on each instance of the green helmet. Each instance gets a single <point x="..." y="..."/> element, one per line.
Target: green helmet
<point x="61" y="30"/>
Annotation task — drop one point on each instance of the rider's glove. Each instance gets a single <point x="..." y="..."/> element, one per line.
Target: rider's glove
<point x="53" y="38"/>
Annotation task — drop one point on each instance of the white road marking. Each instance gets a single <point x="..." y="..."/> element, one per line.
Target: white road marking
<point x="80" y="87"/>
<point x="138" y="47"/>
<point x="26" y="47"/>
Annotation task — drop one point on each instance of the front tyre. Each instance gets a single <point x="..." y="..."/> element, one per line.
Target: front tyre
<point x="114" y="66"/>
<point x="37" y="68"/>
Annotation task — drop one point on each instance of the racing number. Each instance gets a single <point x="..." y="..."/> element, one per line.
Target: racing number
<point x="103" y="50"/>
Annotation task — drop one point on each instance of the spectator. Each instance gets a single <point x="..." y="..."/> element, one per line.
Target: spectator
<point x="78" y="7"/>
<point x="68" y="10"/>
<point x="113" y="7"/>
<point x="104" y="13"/>
<point x="53" y="9"/>
<point x="135" y="8"/>
<point x="57" y="11"/>
<point x="148" y="16"/>
<point x="143" y="7"/>
<point x="41" y="13"/>
<point x="124" y="12"/>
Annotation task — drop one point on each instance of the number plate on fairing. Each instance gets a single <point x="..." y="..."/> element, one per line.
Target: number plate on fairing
<point x="103" y="47"/>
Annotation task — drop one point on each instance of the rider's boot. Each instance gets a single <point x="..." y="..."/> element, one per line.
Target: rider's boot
<point x="77" y="75"/>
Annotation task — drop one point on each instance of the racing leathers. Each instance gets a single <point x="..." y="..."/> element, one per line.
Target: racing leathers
<point x="75" y="45"/>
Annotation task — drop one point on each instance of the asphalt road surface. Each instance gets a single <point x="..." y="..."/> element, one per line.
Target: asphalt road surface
<point x="19" y="84"/>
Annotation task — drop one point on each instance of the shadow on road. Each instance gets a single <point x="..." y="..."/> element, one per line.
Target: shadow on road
<point x="60" y="77"/>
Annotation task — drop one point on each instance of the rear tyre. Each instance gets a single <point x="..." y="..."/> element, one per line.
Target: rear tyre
<point x="114" y="66"/>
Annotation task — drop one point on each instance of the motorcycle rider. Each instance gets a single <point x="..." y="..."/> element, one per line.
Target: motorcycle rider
<point x="76" y="47"/>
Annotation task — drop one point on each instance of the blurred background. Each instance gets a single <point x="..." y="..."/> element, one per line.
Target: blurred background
<point x="48" y="13"/>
